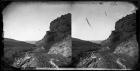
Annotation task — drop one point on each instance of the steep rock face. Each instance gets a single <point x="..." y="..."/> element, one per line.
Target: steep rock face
<point x="125" y="28"/>
<point x="60" y="28"/>
<point x="129" y="46"/>
<point x="126" y="24"/>
<point x="61" y="37"/>
<point x="58" y="36"/>
<point x="61" y="24"/>
<point x="122" y="52"/>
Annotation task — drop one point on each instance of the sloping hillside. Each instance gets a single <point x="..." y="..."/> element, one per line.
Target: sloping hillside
<point x="96" y="41"/>
<point x="31" y="42"/>
<point x="60" y="28"/>
<point x="13" y="47"/>
<point x="81" y="46"/>
<point x="12" y="43"/>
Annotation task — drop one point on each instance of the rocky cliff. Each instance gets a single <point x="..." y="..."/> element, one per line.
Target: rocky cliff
<point x="54" y="50"/>
<point x="125" y="28"/>
<point x="120" y="50"/>
<point x="60" y="28"/>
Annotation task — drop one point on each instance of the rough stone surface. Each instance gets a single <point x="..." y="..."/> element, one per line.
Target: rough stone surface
<point x="129" y="47"/>
<point x="63" y="48"/>
<point x="60" y="28"/>
<point x="40" y="60"/>
<point x="125" y="28"/>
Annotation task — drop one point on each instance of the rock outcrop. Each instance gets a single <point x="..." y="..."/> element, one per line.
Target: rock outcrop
<point x="60" y="28"/>
<point x="121" y="50"/>
<point x="125" y="28"/>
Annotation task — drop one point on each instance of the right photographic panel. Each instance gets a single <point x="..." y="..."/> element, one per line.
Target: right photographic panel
<point x="104" y="35"/>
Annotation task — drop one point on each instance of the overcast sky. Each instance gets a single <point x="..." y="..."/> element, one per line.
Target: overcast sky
<point x="101" y="24"/>
<point x="30" y="21"/>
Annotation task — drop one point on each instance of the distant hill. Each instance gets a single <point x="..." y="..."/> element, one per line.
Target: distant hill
<point x="79" y="45"/>
<point x="96" y="41"/>
<point x="14" y="47"/>
<point x="31" y="42"/>
<point x="13" y="42"/>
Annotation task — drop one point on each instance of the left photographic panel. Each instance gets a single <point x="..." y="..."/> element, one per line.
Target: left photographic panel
<point x="36" y="35"/>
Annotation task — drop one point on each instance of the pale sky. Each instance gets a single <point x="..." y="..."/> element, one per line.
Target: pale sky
<point x="30" y="21"/>
<point x="102" y="25"/>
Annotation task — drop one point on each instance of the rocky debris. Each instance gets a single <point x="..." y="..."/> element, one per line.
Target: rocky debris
<point x="30" y="59"/>
<point x="129" y="47"/>
<point x="85" y="62"/>
<point x="106" y="61"/>
<point x="97" y="60"/>
<point x="63" y="48"/>
<point x="121" y="50"/>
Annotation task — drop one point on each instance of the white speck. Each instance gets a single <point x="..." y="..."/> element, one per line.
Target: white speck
<point x="118" y="61"/>
<point x="51" y="61"/>
<point x="93" y="56"/>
